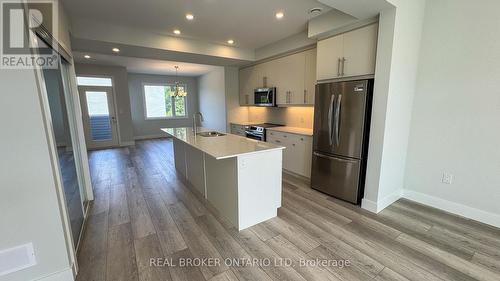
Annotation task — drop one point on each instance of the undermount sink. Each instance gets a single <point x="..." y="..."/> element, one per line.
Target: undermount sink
<point x="211" y="134"/>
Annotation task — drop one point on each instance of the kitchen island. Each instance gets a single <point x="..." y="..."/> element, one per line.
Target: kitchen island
<point x="238" y="176"/>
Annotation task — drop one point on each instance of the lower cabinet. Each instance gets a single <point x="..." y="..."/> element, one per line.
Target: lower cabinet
<point x="297" y="156"/>
<point x="237" y="129"/>
<point x="190" y="162"/>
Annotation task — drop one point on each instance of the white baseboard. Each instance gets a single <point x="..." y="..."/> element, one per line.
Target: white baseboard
<point x="454" y="208"/>
<point x="388" y="200"/>
<point x="369" y="205"/>
<point x="150" y="137"/>
<point x="377" y="207"/>
<point x="63" y="275"/>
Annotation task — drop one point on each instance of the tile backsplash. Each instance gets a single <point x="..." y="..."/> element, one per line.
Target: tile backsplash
<point x="301" y="117"/>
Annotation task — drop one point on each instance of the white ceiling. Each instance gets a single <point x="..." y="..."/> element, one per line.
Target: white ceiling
<point x="145" y="66"/>
<point x="251" y="23"/>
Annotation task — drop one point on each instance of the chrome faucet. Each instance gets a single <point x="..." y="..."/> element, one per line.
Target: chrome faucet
<point x="195" y="129"/>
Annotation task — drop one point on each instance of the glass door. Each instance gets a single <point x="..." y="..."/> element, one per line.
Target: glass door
<point x="99" y="118"/>
<point x="67" y="151"/>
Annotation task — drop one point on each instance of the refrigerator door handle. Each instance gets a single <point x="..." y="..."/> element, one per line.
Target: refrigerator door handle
<point x="330" y="119"/>
<point x="338" y="67"/>
<point x="338" y="108"/>
<point x="334" y="158"/>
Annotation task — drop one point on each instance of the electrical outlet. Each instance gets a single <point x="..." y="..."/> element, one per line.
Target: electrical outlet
<point x="447" y="178"/>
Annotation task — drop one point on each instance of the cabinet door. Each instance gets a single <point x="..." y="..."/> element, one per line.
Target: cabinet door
<point x="310" y="76"/>
<point x="329" y="52"/>
<point x="307" y="155"/>
<point x="292" y="76"/>
<point x="259" y="72"/>
<point x="245" y="85"/>
<point x="278" y="79"/>
<point x="360" y="48"/>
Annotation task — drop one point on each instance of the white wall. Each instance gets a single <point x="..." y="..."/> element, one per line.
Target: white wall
<point x="29" y="202"/>
<point x="212" y="99"/>
<point x="151" y="128"/>
<point x="395" y="78"/>
<point x="456" y="113"/>
<point x="295" y="116"/>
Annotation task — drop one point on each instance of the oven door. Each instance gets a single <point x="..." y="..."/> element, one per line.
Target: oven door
<point x="255" y="136"/>
<point x="265" y="97"/>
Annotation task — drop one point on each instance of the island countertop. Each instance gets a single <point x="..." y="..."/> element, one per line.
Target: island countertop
<point x="220" y="147"/>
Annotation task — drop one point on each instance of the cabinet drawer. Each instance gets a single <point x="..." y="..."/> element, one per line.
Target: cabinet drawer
<point x="276" y="140"/>
<point x="278" y="135"/>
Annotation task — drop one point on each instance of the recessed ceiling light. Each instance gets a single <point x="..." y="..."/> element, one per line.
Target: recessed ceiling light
<point x="189" y="16"/>
<point x="87" y="56"/>
<point x="177" y="31"/>
<point x="279" y="15"/>
<point x="116" y="50"/>
<point x="230" y="41"/>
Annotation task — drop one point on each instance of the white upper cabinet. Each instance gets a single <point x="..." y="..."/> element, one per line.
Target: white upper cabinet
<point x="349" y="54"/>
<point x="310" y="76"/>
<point x="360" y="49"/>
<point x="329" y="58"/>
<point x="291" y="79"/>
<point x="294" y="77"/>
<point x="245" y="86"/>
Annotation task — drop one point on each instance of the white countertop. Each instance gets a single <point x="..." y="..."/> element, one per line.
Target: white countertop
<point x="220" y="147"/>
<point x="293" y="130"/>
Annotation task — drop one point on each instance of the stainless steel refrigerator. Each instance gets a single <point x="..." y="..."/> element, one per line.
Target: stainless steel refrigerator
<point x="341" y="127"/>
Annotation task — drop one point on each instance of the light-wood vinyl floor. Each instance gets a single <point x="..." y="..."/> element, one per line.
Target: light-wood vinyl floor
<point x="142" y="210"/>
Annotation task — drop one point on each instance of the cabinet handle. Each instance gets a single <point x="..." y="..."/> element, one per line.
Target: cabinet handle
<point x="338" y="67"/>
<point x="247" y="101"/>
<point x="343" y="66"/>
<point x="305" y="96"/>
<point x="277" y="141"/>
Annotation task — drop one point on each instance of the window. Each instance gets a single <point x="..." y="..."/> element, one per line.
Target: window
<point x="94" y="81"/>
<point x="159" y="104"/>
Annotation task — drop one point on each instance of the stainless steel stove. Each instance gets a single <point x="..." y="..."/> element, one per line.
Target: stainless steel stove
<point x="258" y="132"/>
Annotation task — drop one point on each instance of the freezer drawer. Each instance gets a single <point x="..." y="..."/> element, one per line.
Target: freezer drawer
<point x="335" y="176"/>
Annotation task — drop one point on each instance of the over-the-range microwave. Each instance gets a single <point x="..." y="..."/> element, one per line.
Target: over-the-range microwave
<point x="265" y="97"/>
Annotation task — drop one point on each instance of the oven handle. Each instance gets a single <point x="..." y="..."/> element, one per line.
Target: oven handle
<point x="261" y="137"/>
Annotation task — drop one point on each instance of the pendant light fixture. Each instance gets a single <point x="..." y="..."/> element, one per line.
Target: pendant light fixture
<point x="179" y="90"/>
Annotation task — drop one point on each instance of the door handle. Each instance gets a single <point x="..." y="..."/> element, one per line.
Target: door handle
<point x="334" y="158"/>
<point x="338" y="67"/>
<point x="343" y="66"/>
<point x="330" y="119"/>
<point x="337" y="120"/>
